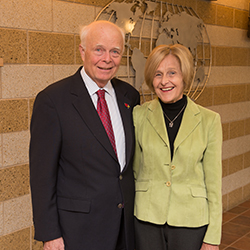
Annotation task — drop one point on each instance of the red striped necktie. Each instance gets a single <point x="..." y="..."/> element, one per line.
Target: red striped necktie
<point x="103" y="112"/>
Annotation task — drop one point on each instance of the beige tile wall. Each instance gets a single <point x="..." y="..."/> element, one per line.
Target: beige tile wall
<point x="17" y="240"/>
<point x="1" y="216"/>
<point x="17" y="214"/>
<point x="1" y="152"/>
<point x="14" y="182"/>
<point x="229" y="90"/>
<point x="19" y="85"/>
<point x="15" y="148"/>
<point x="26" y="14"/>
<point x="39" y="45"/>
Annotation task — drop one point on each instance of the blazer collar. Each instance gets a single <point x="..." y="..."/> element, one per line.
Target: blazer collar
<point x="124" y="104"/>
<point x="155" y="117"/>
<point x="190" y="120"/>
<point x="85" y="107"/>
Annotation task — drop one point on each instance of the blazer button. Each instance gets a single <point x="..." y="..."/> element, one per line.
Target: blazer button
<point x="120" y="177"/>
<point x="173" y="167"/>
<point x="168" y="184"/>
<point x="120" y="205"/>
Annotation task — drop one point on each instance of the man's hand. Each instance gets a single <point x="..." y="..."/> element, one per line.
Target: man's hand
<point x="206" y="246"/>
<point x="56" y="244"/>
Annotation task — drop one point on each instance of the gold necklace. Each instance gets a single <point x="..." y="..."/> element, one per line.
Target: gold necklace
<point x="171" y="123"/>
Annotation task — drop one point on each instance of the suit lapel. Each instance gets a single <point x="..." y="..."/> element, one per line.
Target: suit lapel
<point x="156" y="119"/>
<point x="190" y="120"/>
<point x="124" y="107"/>
<point x="85" y="107"/>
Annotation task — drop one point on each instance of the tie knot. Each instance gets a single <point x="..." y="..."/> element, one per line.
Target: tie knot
<point x="101" y="93"/>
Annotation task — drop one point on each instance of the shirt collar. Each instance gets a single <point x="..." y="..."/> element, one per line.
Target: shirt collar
<point x="92" y="87"/>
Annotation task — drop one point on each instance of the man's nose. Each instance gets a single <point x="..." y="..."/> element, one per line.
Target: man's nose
<point x="107" y="57"/>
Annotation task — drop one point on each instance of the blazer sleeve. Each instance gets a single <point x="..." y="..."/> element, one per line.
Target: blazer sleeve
<point x="139" y="114"/>
<point x="45" y="146"/>
<point x="213" y="179"/>
<point x="136" y="161"/>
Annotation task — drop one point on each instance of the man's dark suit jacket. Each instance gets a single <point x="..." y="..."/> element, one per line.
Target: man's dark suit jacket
<point x="78" y="192"/>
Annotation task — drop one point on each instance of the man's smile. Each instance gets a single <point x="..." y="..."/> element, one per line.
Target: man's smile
<point x="101" y="68"/>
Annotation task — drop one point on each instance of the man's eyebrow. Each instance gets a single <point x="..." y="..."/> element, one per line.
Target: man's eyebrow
<point x="100" y="45"/>
<point x="117" y="48"/>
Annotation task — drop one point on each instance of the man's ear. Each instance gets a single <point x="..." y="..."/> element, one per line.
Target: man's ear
<point x="82" y="52"/>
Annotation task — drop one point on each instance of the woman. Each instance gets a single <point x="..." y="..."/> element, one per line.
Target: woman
<point x="177" y="162"/>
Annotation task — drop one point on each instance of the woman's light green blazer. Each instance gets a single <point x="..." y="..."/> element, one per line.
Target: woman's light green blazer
<point x="184" y="191"/>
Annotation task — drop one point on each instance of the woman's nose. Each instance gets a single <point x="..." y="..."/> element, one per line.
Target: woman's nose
<point x="164" y="80"/>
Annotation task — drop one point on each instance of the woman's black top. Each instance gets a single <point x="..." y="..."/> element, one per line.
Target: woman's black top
<point x="172" y="110"/>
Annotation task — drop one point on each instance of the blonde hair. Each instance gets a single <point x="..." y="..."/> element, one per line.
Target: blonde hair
<point x="157" y="55"/>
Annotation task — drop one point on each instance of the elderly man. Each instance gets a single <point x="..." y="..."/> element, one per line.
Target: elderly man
<point x="82" y="144"/>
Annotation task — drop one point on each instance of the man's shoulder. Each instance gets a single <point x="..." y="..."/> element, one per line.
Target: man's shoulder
<point x="118" y="83"/>
<point x="61" y="85"/>
<point x="127" y="90"/>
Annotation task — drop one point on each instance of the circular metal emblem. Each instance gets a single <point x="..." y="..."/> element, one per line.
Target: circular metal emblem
<point x="148" y="24"/>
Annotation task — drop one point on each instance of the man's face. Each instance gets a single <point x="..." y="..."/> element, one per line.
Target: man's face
<point x="103" y="53"/>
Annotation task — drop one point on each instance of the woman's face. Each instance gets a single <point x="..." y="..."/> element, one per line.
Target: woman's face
<point x="168" y="81"/>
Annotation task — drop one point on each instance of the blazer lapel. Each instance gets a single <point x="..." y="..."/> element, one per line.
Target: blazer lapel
<point x="156" y="119"/>
<point x="190" y="121"/>
<point x="85" y="107"/>
<point x="124" y="107"/>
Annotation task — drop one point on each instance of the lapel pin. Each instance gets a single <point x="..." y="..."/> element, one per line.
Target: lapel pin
<point x="127" y="105"/>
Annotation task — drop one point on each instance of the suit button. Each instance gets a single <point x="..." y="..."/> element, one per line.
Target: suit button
<point x="173" y="167"/>
<point x="120" y="205"/>
<point x="120" y="177"/>
<point x="168" y="184"/>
